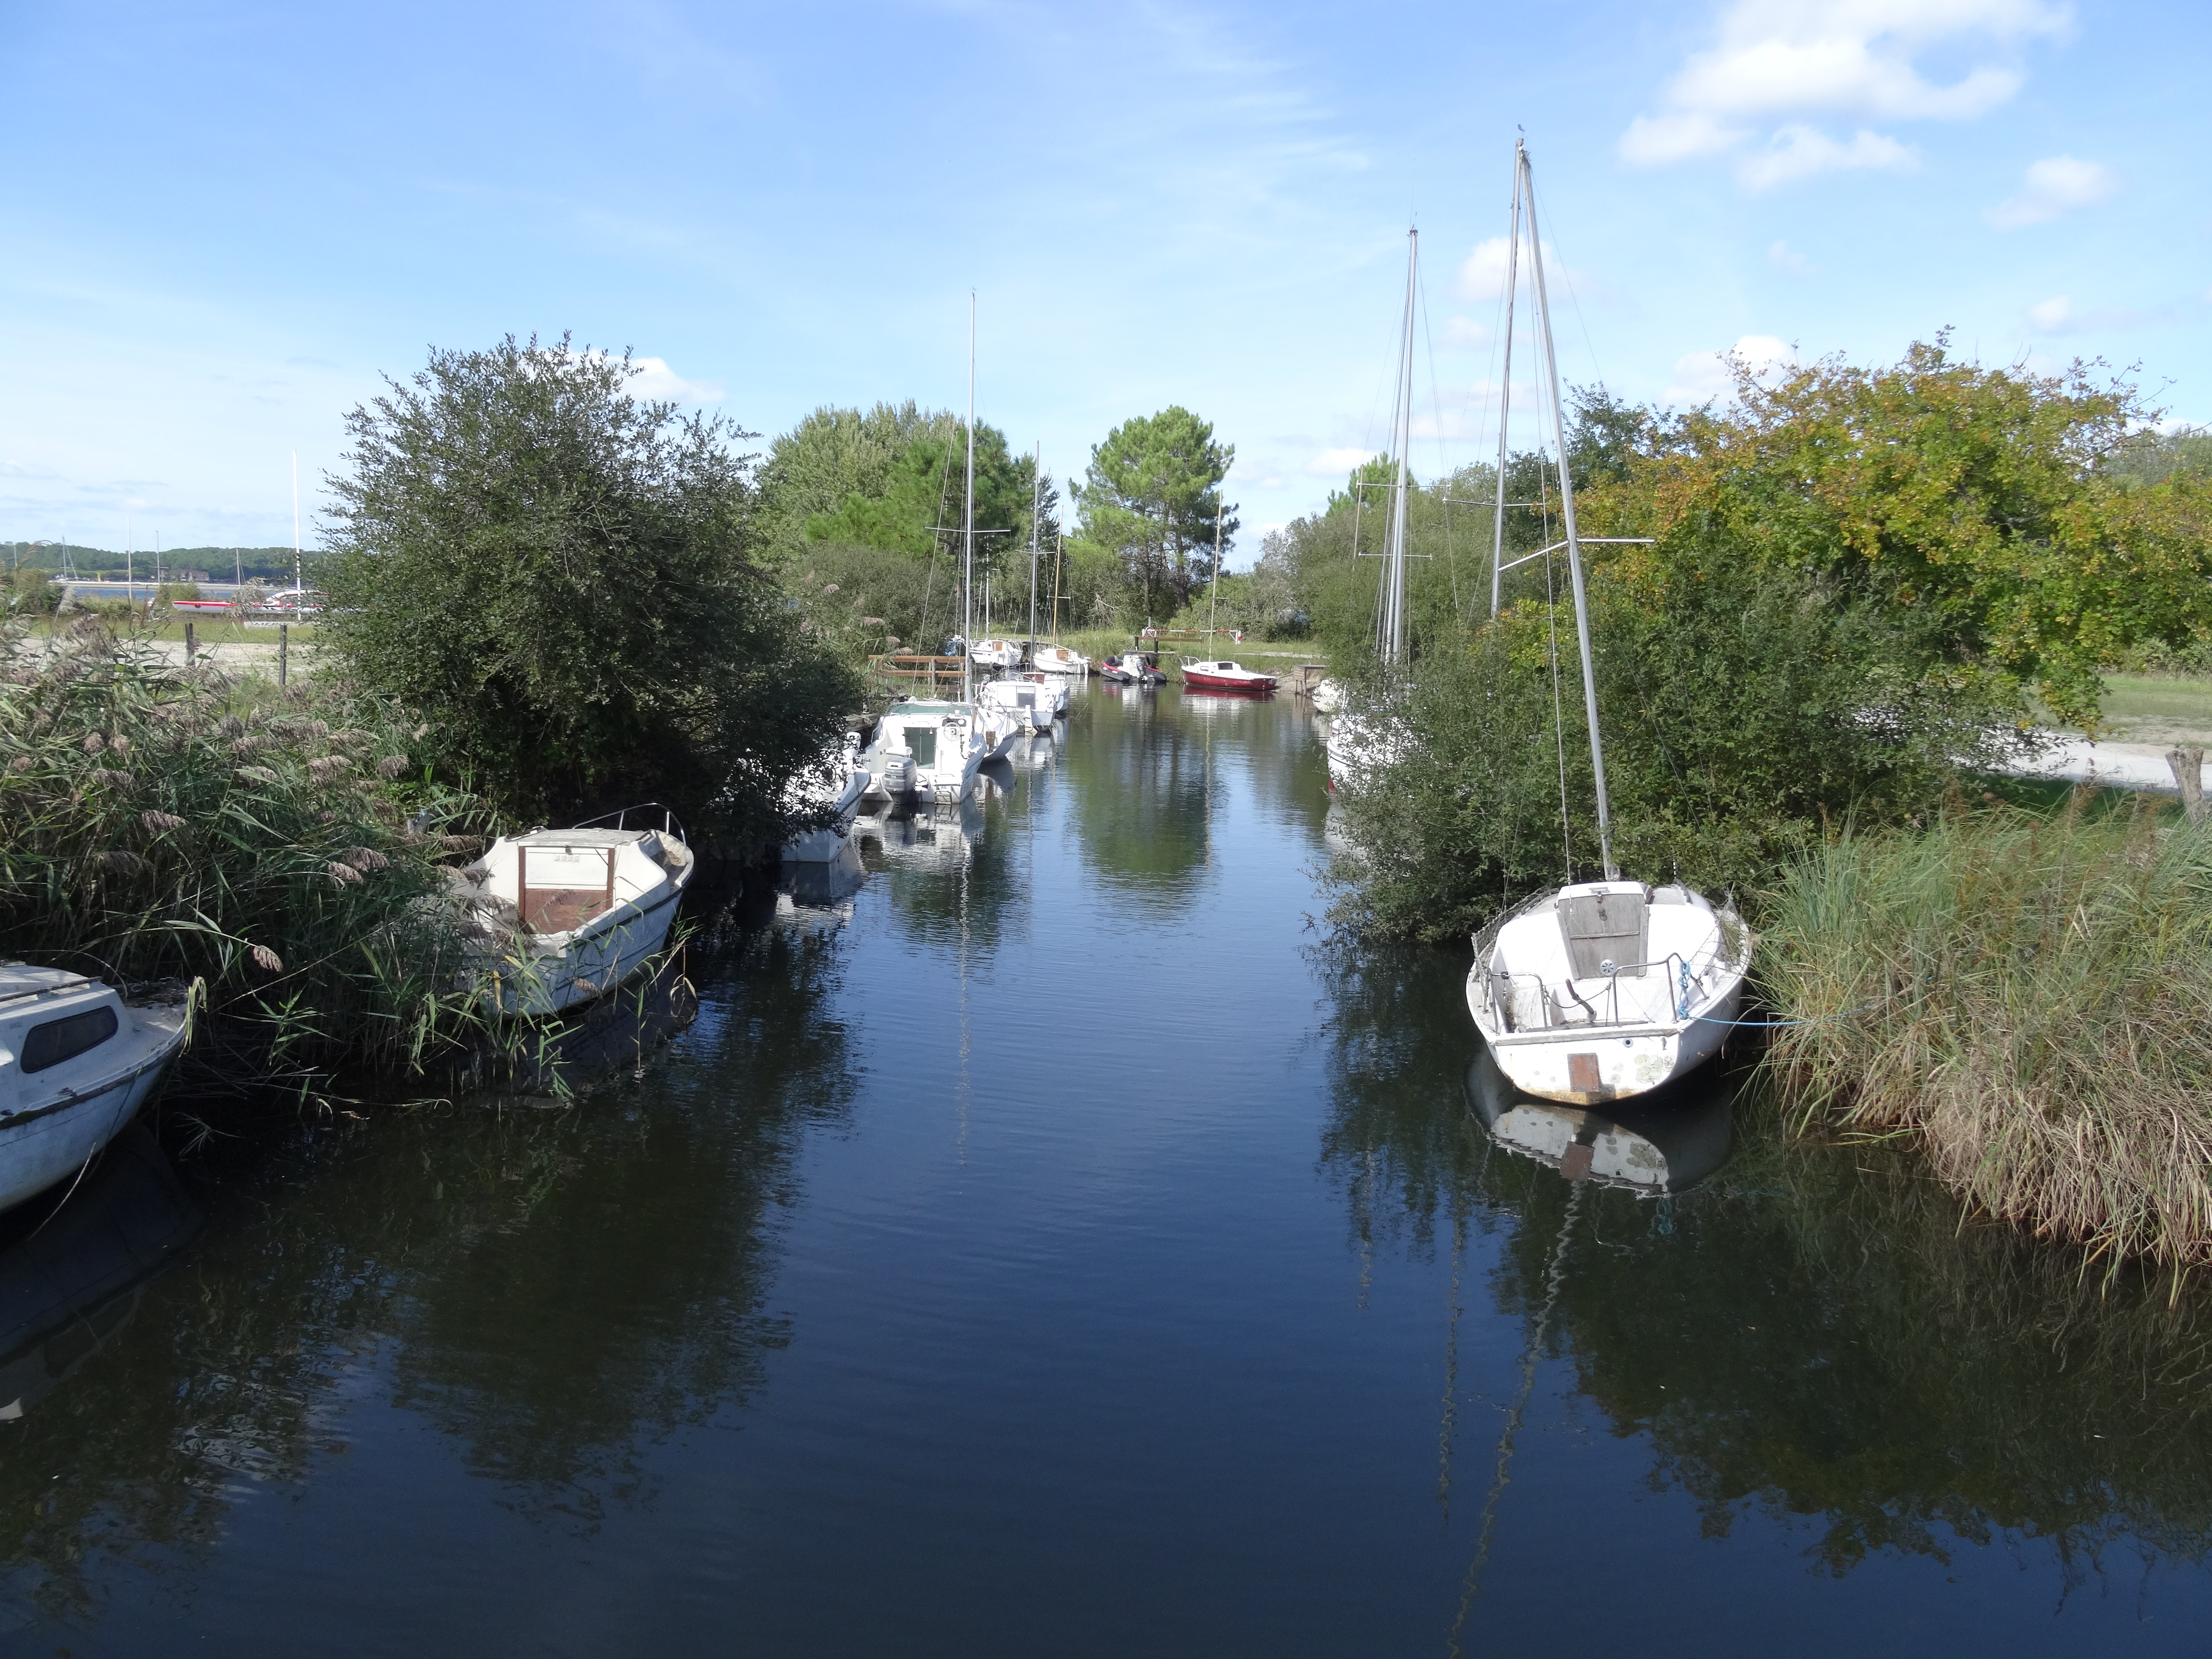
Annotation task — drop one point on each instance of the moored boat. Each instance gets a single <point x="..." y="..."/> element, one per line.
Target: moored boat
<point x="1025" y="702"/>
<point x="840" y="798"/>
<point x="1223" y="675"/>
<point x="941" y="743"/>
<point x="1604" y="989"/>
<point x="1131" y="668"/>
<point x="1059" y="659"/>
<point x="1598" y="990"/>
<point x="996" y="653"/>
<point x="566" y="916"/>
<point x="77" y="1062"/>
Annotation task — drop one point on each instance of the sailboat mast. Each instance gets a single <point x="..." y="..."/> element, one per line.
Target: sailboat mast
<point x="1214" y="605"/>
<point x="295" y="521"/>
<point x="1567" y="510"/>
<point x="1037" y="504"/>
<point x="1394" y="567"/>
<point x="1506" y="389"/>
<point x="968" y="530"/>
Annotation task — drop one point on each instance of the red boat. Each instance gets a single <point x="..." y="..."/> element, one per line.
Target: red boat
<point x="1226" y="677"/>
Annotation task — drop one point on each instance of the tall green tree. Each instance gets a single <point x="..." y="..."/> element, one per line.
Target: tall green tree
<point x="560" y="575"/>
<point x="1152" y="494"/>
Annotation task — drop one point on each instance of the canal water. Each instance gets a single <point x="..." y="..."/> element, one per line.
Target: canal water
<point x="1059" y="1245"/>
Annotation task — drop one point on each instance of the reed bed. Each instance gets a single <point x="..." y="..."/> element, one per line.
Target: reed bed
<point x="2029" y="997"/>
<point x="276" y="850"/>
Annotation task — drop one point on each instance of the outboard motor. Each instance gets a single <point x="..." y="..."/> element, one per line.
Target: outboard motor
<point x="899" y="776"/>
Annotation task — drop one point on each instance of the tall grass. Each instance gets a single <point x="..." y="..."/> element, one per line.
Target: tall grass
<point x="2027" y="996"/>
<point x="279" y="849"/>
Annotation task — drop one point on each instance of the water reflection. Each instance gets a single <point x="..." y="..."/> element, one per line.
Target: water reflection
<point x="74" y="1265"/>
<point x="1140" y="779"/>
<point x="1661" y="1143"/>
<point x="1815" y="1335"/>
<point x="495" y="1271"/>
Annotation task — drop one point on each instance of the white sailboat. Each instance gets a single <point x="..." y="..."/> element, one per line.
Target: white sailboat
<point x="1604" y="989"/>
<point x="1363" y="740"/>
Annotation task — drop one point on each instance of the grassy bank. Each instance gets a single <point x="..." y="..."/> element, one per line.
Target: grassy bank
<point x="2027" y="997"/>
<point x="279" y="850"/>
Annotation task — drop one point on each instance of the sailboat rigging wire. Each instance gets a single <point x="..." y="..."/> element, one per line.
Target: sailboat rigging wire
<point x="1554" y="1280"/>
<point x="1444" y="458"/>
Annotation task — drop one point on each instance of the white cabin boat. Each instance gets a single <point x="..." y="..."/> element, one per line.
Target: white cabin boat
<point x="996" y="653"/>
<point x="942" y="744"/>
<point x="1604" y="989"/>
<point x="572" y="913"/>
<point x="77" y="1062"/>
<point x="1059" y="659"/>
<point x="1030" y="703"/>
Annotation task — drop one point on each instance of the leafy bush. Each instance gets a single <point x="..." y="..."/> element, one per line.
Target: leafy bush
<point x="559" y="576"/>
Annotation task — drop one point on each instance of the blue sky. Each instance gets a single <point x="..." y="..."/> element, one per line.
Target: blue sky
<point x="221" y="223"/>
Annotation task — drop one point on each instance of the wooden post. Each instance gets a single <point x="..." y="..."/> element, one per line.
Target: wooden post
<point x="284" y="653"/>
<point x="2188" y="766"/>
<point x="192" y="645"/>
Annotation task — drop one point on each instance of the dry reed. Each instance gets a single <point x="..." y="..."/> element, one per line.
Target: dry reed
<point x="2027" y="996"/>
<point x="280" y="848"/>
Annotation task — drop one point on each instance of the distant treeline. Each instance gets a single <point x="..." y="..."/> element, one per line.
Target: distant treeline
<point x="221" y="563"/>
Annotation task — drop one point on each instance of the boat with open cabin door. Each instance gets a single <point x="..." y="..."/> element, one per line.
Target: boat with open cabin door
<point x="563" y="916"/>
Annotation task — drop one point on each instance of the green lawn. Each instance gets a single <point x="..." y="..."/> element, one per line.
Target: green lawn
<point x="2141" y="708"/>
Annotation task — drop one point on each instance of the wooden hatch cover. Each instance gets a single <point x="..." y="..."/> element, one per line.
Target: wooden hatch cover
<point x="561" y="909"/>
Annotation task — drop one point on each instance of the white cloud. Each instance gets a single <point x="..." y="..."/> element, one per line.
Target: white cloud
<point x="1782" y="62"/>
<point x="2055" y="185"/>
<point x="1703" y="376"/>
<point x="1482" y="273"/>
<point x="658" y="383"/>
<point x="1465" y="331"/>
<point x="1336" y="463"/>
<point x="1798" y="151"/>
<point x="2058" y="315"/>
<point x="1787" y="260"/>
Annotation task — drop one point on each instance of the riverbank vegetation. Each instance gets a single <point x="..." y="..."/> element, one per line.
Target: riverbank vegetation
<point x="1850" y="592"/>
<point x="279" y="850"/>
<point x="2026" y="996"/>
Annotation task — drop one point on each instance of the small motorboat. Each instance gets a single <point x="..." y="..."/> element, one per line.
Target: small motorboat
<point x="941" y="744"/>
<point x="1131" y="668"/>
<point x="1227" y="677"/>
<point x="839" y="797"/>
<point x="1059" y="659"/>
<point x="1604" y="989"/>
<point x="1052" y="687"/>
<point x="566" y="916"/>
<point x="77" y="1062"/>
<point x="997" y="653"/>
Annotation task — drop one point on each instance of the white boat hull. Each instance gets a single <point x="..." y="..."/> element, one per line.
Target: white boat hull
<point x="1626" y="1060"/>
<point x="49" y="1141"/>
<point x="554" y="977"/>
<point x="1602" y="991"/>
